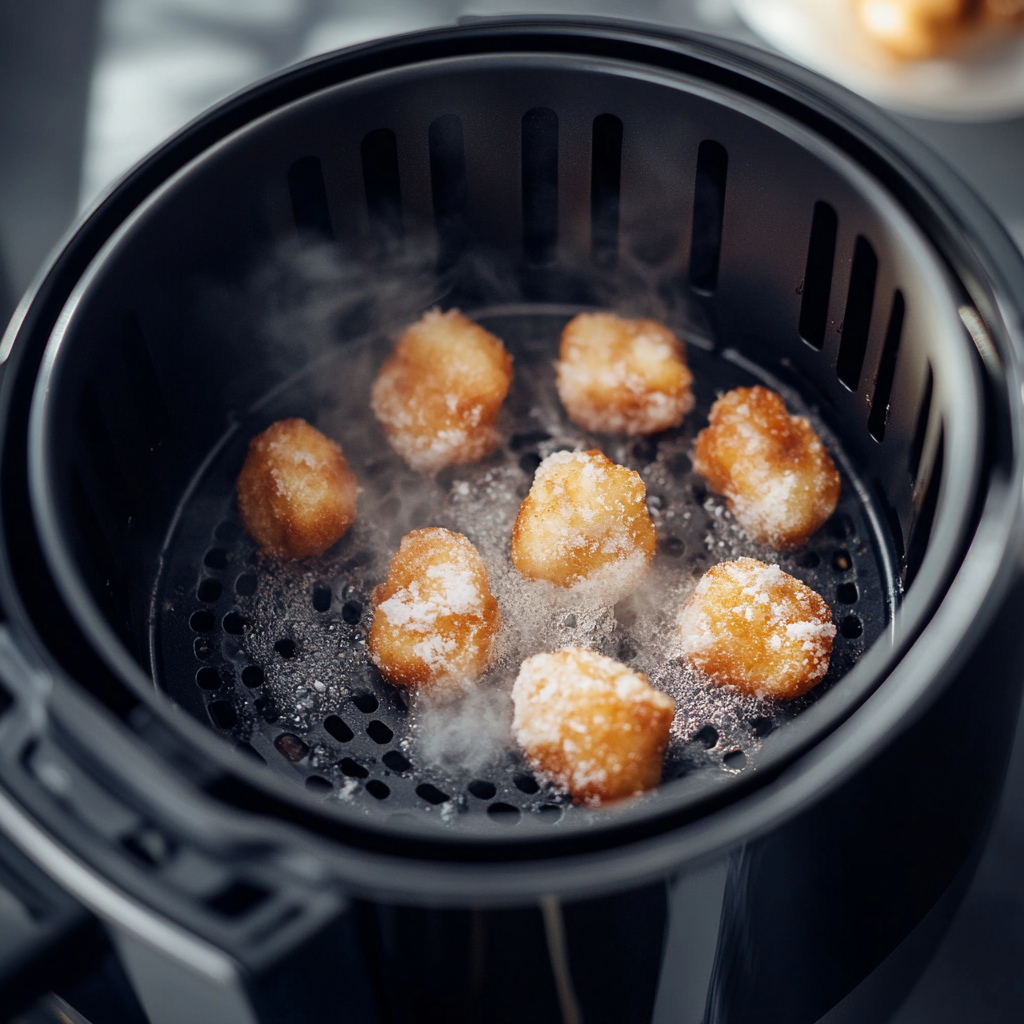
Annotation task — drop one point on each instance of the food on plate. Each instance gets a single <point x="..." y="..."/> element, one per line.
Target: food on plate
<point x="775" y="474"/>
<point x="922" y="29"/>
<point x="591" y="724"/>
<point x="619" y="376"/>
<point x="434" y="618"/>
<point x="439" y="392"/>
<point x="755" y="627"/>
<point x="296" y="493"/>
<point x="585" y="520"/>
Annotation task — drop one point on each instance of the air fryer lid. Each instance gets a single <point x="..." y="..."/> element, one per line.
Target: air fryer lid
<point x="764" y="243"/>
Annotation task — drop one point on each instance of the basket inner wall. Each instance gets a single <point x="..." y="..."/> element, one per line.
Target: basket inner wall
<point x="583" y="183"/>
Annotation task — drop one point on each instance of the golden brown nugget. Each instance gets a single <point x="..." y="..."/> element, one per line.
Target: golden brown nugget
<point x="619" y="376"/>
<point x="296" y="493"/>
<point x="438" y="394"/>
<point x="1005" y="13"/>
<point x="917" y="29"/>
<point x="776" y="476"/>
<point x="585" y="519"/>
<point x="434" y="618"/>
<point x="591" y="724"/>
<point x="752" y="626"/>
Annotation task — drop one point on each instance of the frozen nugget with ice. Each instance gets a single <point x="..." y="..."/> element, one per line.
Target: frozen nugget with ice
<point x="585" y="519"/>
<point x="438" y="394"/>
<point x="755" y="627"/>
<point x="296" y="493"/>
<point x="619" y="376"/>
<point x="434" y="618"/>
<point x="591" y="724"/>
<point x="772" y="469"/>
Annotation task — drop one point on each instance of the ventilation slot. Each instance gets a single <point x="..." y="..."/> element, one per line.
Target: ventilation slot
<point x="149" y="400"/>
<point x="708" y="211"/>
<point x="381" y="182"/>
<point x="887" y="369"/>
<point x="921" y="430"/>
<point x="99" y="446"/>
<point x="921" y="531"/>
<point x="309" y="200"/>
<point x="540" y="184"/>
<point x="860" y="301"/>
<point x="448" y="188"/>
<point x="821" y="255"/>
<point x="605" y="179"/>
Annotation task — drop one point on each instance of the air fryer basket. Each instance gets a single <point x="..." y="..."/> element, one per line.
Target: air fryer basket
<point x="575" y="182"/>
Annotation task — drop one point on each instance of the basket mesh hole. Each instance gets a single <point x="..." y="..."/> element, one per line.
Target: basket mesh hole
<point x="377" y="789"/>
<point x="209" y="590"/>
<point x="879" y="414"/>
<point x="223" y="714"/>
<point x="526" y="783"/>
<point x="208" y="678"/>
<point x="285" y="647"/>
<point x="352" y="612"/>
<point x="921" y="429"/>
<point x="202" y="621"/>
<point x="860" y="301"/>
<point x="851" y="627"/>
<point x="203" y="648"/>
<point x="821" y="255"/>
<point x="506" y="814"/>
<point x="396" y="761"/>
<point x="379" y="732"/>
<point x="482" y="790"/>
<point x="321" y="598"/>
<point x="338" y="729"/>
<point x="707" y="736"/>
<point x="431" y="794"/>
<point x="353" y="769"/>
<point x="291" y="746"/>
<point x="605" y="179"/>
<point x="309" y="200"/>
<point x="235" y="624"/>
<point x="841" y="561"/>
<point x="252" y="676"/>
<point x="736" y="760"/>
<point x="216" y="558"/>
<point x="366" y="702"/>
<point x="847" y="593"/>
<point x="708" y="214"/>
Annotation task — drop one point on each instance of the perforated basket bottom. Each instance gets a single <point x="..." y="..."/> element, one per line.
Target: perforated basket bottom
<point x="274" y="654"/>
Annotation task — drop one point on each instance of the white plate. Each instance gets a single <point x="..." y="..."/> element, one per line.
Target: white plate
<point x="981" y="83"/>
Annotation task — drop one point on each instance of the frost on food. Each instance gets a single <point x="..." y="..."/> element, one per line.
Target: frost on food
<point x="755" y="627"/>
<point x="438" y="394"/>
<point x="619" y="376"/>
<point x="772" y="469"/>
<point x="434" y="618"/>
<point x="591" y="724"/>
<point x="585" y="521"/>
<point x="296" y="493"/>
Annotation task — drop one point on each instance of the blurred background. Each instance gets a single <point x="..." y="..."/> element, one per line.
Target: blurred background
<point x="87" y="87"/>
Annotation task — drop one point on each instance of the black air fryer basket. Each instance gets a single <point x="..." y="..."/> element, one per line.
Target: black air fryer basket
<point x="195" y="744"/>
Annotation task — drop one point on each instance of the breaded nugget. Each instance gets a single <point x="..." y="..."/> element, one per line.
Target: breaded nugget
<point x="775" y="474"/>
<point x="917" y="29"/>
<point x="619" y="376"/>
<point x="591" y="724"/>
<point x="296" y="493"/>
<point x="434" y="618"/>
<point x="585" y="519"/>
<point x="752" y="626"/>
<point x="439" y="392"/>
